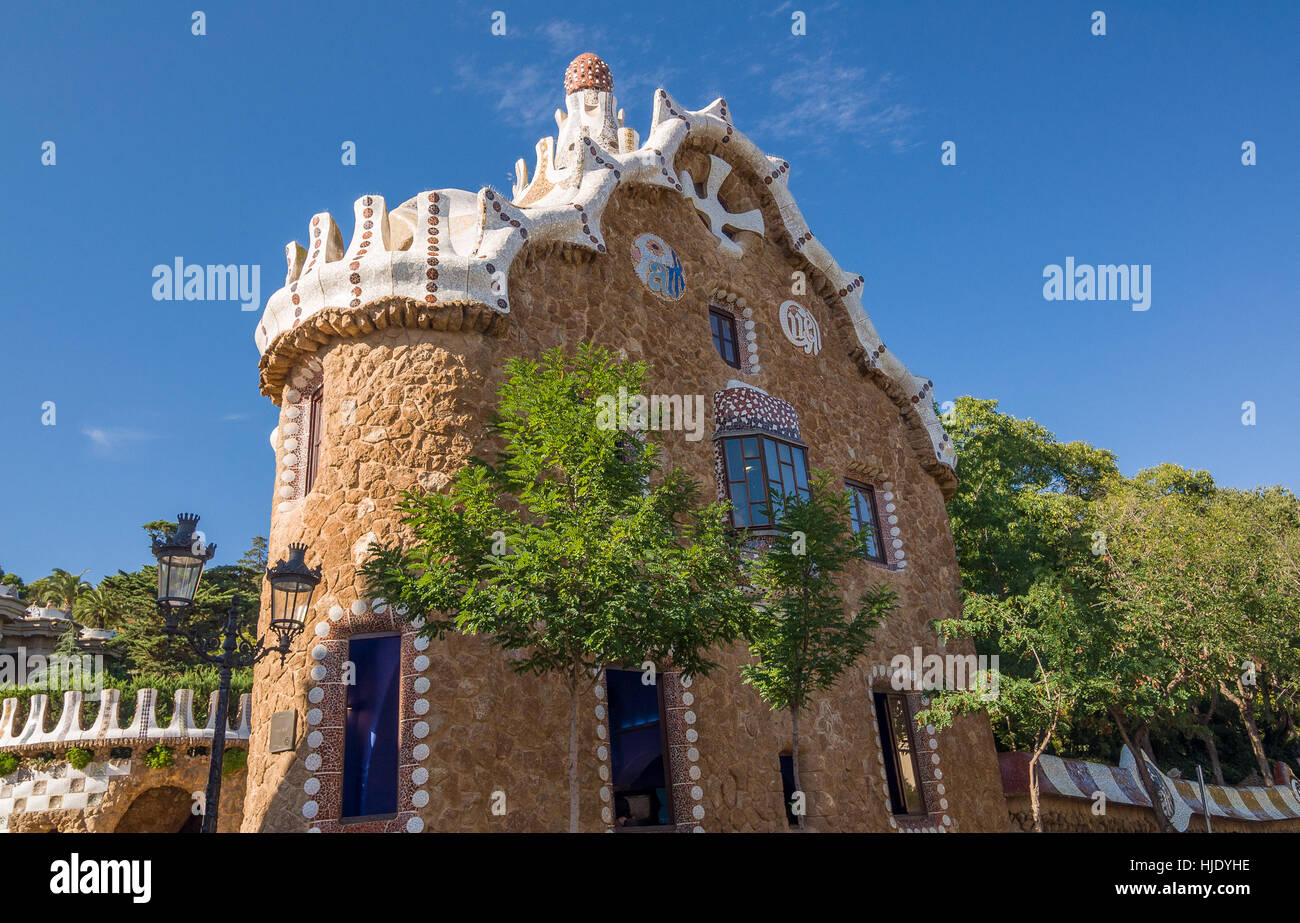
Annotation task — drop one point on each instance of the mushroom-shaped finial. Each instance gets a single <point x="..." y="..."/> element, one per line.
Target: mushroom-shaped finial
<point x="588" y="72"/>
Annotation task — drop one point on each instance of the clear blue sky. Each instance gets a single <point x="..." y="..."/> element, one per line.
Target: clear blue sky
<point x="1117" y="149"/>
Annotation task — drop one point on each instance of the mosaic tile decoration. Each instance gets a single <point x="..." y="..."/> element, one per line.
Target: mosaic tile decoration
<point x="326" y="717"/>
<point x="749" y="408"/>
<point x="658" y="267"/>
<point x="105" y="728"/>
<point x="1121" y="784"/>
<point x="745" y="329"/>
<point x="478" y="235"/>
<point x="63" y="788"/>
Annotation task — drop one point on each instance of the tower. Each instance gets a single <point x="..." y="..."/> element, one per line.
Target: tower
<point x="383" y="355"/>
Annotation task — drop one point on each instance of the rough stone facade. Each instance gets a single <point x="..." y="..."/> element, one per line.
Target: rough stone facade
<point x="407" y="387"/>
<point x="134" y="798"/>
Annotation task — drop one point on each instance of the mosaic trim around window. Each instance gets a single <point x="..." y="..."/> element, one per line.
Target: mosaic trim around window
<point x="683" y="756"/>
<point x="327" y="716"/>
<point x="294" y="435"/>
<point x="747" y="336"/>
<point x="746" y="408"/>
<point x="933" y="789"/>
<point x="891" y="534"/>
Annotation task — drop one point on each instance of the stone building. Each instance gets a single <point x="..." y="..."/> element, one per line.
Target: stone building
<point x="383" y="354"/>
<point x="35" y="631"/>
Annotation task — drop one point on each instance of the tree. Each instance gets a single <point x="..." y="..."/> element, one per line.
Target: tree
<point x="803" y="635"/>
<point x="96" y="608"/>
<point x="1047" y="640"/>
<point x="564" y="548"/>
<point x="62" y="589"/>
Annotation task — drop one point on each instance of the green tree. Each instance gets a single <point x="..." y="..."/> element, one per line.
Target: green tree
<point x="61" y="589"/>
<point x="1048" y="638"/>
<point x="570" y="546"/>
<point x="96" y="608"/>
<point x="803" y="635"/>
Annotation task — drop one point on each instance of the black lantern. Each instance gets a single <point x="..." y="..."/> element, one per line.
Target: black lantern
<point x="292" y="584"/>
<point x="181" y="557"/>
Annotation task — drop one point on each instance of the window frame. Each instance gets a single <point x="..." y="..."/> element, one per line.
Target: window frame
<point x="346" y="819"/>
<point x="760" y="435"/>
<point x="729" y="319"/>
<point x="893" y="767"/>
<point x="665" y="750"/>
<point x="869" y="494"/>
<point x="315" y="426"/>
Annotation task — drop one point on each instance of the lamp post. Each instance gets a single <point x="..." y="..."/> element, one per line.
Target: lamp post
<point x="181" y="557"/>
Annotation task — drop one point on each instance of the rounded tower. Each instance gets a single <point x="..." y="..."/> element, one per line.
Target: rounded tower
<point x="384" y="353"/>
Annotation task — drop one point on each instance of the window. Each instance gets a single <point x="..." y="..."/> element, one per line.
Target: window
<point x="787" y="786"/>
<point x="761" y="472"/>
<point x="370" y="730"/>
<point x="313" y="439"/>
<point x="637" y="751"/>
<point x="862" y="514"/>
<point x="723" y="326"/>
<point x="902" y="771"/>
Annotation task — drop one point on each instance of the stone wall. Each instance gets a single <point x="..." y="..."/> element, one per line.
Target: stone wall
<point x="116" y="796"/>
<point x="404" y="406"/>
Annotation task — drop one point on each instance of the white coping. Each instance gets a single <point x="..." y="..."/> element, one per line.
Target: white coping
<point x="480" y="234"/>
<point x="106" y="726"/>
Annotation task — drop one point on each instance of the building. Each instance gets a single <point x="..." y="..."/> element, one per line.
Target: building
<point x="35" y="631"/>
<point x="383" y="353"/>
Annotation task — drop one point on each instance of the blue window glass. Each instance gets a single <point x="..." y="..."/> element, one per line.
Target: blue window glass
<point x="761" y="472"/>
<point x="370" y="735"/>
<point x="862" y="515"/>
<point x="637" y="752"/>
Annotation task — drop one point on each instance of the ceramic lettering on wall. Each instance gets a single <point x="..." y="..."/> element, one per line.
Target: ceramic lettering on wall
<point x="658" y="267"/>
<point x="801" y="327"/>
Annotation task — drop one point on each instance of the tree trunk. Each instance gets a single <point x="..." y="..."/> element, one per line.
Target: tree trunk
<point x="794" y="764"/>
<point x="1148" y="783"/>
<point x="1246" y="707"/>
<point x="1143" y="739"/>
<point x="1212" y="748"/>
<point x="1034" y="804"/>
<point x="573" y="754"/>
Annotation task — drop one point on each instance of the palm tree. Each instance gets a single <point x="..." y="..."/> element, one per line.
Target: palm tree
<point x="96" y="608"/>
<point x="62" y="589"/>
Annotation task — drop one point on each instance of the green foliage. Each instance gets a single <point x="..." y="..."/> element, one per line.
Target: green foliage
<point x="597" y="566"/>
<point x="1123" y="606"/>
<point x="9" y="763"/>
<point x="79" y="757"/>
<point x="159" y="756"/>
<point x="233" y="760"/>
<point x="570" y="549"/>
<point x="803" y="635"/>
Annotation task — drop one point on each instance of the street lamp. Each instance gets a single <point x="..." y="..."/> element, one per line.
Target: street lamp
<point x="181" y="557"/>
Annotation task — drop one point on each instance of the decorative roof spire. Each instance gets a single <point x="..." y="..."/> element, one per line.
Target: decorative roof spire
<point x="588" y="72"/>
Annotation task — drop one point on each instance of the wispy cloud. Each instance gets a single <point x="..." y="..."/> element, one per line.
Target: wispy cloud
<point x="823" y="103"/>
<point x="234" y="417"/>
<point x="526" y="95"/>
<point x="106" y="441"/>
<point x="568" y="37"/>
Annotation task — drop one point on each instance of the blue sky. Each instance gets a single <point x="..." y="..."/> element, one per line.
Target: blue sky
<point x="1124" y="148"/>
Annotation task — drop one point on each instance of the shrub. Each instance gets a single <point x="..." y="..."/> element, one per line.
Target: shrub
<point x="159" y="757"/>
<point x="80" y="757"/>
<point x="8" y="763"/>
<point x="233" y="760"/>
